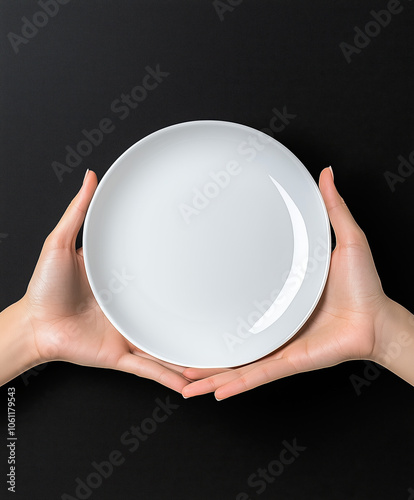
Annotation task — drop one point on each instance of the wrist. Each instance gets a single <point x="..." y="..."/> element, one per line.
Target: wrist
<point x="18" y="350"/>
<point x="29" y="337"/>
<point x="394" y="335"/>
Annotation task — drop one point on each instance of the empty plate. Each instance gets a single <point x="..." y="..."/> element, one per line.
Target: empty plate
<point x="207" y="244"/>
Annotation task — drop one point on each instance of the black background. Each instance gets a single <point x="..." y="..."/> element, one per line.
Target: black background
<point x="357" y="117"/>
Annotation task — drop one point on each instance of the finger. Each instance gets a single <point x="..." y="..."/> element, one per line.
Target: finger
<point x="346" y="229"/>
<point x="138" y="352"/>
<point x="65" y="233"/>
<point x="259" y="375"/>
<point x="79" y="251"/>
<point x="241" y="380"/>
<point x="198" y="373"/>
<point x="209" y="384"/>
<point x="170" y="366"/>
<point x="212" y="379"/>
<point x="147" y="368"/>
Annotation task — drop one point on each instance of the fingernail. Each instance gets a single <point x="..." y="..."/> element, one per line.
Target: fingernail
<point x="330" y="168"/>
<point x="185" y="397"/>
<point x="86" y="175"/>
<point x="217" y="399"/>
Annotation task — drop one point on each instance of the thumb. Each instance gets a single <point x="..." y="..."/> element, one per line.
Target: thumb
<point x="346" y="229"/>
<point x="65" y="233"/>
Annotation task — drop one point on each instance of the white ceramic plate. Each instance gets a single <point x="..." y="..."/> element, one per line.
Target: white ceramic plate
<point x="207" y="244"/>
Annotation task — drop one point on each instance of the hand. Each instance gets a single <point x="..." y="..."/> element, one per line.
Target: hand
<point x="342" y="327"/>
<point x="66" y="321"/>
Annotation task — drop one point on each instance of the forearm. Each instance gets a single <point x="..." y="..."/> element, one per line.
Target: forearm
<point x="17" y="347"/>
<point x="394" y="347"/>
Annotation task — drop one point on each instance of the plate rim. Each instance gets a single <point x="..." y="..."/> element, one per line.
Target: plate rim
<point x="105" y="179"/>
